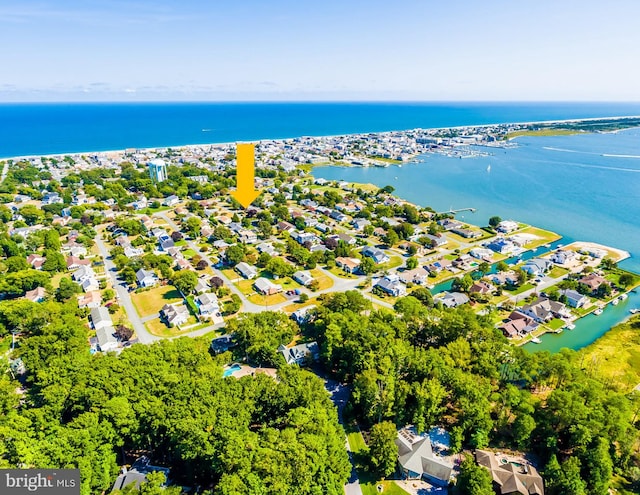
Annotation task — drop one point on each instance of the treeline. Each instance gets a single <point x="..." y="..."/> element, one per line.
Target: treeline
<point x="431" y="366"/>
<point x="169" y="401"/>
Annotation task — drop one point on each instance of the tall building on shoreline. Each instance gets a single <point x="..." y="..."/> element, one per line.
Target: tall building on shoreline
<point x="157" y="170"/>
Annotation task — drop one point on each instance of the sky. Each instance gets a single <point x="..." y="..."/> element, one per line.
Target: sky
<point x="284" y="50"/>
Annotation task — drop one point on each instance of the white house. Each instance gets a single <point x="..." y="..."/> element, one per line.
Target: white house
<point x="246" y="270"/>
<point x="303" y="277"/>
<point x="146" y="278"/>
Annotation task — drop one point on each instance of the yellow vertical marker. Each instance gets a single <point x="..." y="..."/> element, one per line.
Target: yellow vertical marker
<point x="245" y="191"/>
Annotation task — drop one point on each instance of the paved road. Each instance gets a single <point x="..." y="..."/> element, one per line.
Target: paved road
<point x="5" y="171"/>
<point x="124" y="298"/>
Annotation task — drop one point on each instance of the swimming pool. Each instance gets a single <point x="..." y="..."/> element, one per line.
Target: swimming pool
<point x="231" y="370"/>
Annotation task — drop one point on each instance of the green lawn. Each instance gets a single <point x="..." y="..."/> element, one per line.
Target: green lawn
<point x="151" y="301"/>
<point x="339" y="272"/>
<point x="521" y="289"/>
<point x="324" y="280"/>
<point x="558" y="272"/>
<point x="556" y="323"/>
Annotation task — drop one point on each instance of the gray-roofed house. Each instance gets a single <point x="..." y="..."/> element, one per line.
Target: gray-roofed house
<point x="138" y="474"/>
<point x="417" y="459"/>
<point x="175" y="314"/>
<point x="303" y="277"/>
<point x="574" y="298"/>
<point x="544" y="309"/>
<point x="246" y="270"/>
<point x="297" y="354"/>
<point x="392" y="285"/>
<point x="453" y="299"/>
<point x="208" y="305"/>
<point x="536" y="266"/>
<point x="266" y="286"/>
<point x="377" y="255"/>
<point x="146" y="278"/>
<point x="100" y="318"/>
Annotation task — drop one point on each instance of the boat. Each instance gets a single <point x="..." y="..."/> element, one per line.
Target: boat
<point x="547" y="245"/>
<point x="536" y="340"/>
<point x="623" y="297"/>
<point x="570" y="326"/>
<point x="634" y="311"/>
<point x="598" y="312"/>
<point x="615" y="302"/>
<point x="559" y="330"/>
<point x="488" y="168"/>
<point x="560" y="246"/>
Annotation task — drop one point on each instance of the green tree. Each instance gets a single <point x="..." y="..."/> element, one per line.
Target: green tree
<point x="234" y="255"/>
<point x="185" y="281"/>
<point x="495" y="221"/>
<point x="367" y="266"/>
<point x="474" y="479"/>
<point x="412" y="263"/>
<point x="383" y="451"/>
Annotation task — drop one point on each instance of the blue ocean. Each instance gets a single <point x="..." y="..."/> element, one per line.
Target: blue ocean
<point x="30" y="129"/>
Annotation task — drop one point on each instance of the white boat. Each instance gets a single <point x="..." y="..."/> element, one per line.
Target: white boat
<point x="547" y="245"/>
<point x="615" y="302"/>
<point x="634" y="311"/>
<point x="536" y="340"/>
<point x="488" y="168"/>
<point x="623" y="297"/>
<point x="598" y="312"/>
<point x="570" y="326"/>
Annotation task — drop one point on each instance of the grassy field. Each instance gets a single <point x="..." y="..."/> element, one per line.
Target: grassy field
<point x="324" y="281"/>
<point x="267" y="300"/>
<point x="542" y="132"/>
<point x="338" y="272"/>
<point x="521" y="289"/>
<point x="615" y="357"/>
<point x="151" y="301"/>
<point x="557" y="272"/>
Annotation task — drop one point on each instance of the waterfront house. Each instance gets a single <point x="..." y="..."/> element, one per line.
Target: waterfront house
<point x="417" y="459"/>
<point x="246" y="270"/>
<point x="544" y="309"/>
<point x="562" y="257"/>
<point x="502" y="246"/>
<point x="593" y="281"/>
<point x="574" y="298"/>
<point x="507" y="226"/>
<point x="481" y="254"/>
<point x="481" y="287"/>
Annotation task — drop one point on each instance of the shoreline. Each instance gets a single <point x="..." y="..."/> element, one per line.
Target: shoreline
<point x="327" y="136"/>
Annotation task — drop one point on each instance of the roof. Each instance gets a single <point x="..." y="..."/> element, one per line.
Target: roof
<point x="415" y="454"/>
<point x="511" y="475"/>
<point x="99" y="315"/>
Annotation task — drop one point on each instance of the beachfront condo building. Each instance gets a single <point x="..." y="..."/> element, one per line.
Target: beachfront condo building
<point x="157" y="170"/>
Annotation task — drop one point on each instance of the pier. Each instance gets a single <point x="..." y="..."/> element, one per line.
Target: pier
<point x="453" y="212"/>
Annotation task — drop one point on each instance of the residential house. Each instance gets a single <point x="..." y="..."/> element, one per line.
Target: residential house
<point x="36" y="261"/>
<point x="481" y="254"/>
<point x="507" y="226"/>
<point x="440" y="265"/>
<point x="73" y="262"/>
<point x="349" y="265"/>
<point x="537" y="266"/>
<point x="417" y="459"/>
<point x="574" y="298"/>
<point x="518" y="324"/>
<point x="481" y="287"/>
<point x="165" y="242"/>
<point x="90" y="300"/>
<point x="133" y="252"/>
<point x="297" y="354"/>
<point x="201" y="287"/>
<point x="301" y="315"/>
<point x="416" y="276"/>
<point x="593" y="282"/>
<point x="466" y="233"/>
<point x="246" y="270"/>
<point x="86" y="277"/>
<point x="360" y="223"/>
<point x="248" y="237"/>
<point x="208" y="305"/>
<point x="503" y="278"/>
<point x="36" y="295"/>
<point x="171" y="200"/>
<point x="502" y="246"/>
<point x="377" y="255"/>
<point x="100" y="318"/>
<point x="436" y="240"/>
<point x="146" y="278"/>
<point x="453" y="299"/>
<point x="510" y="475"/>
<point x="175" y="314"/>
<point x="222" y="343"/>
<point x="266" y="286"/>
<point x="544" y="309"/>
<point x="303" y="277"/>
<point x="138" y="474"/>
<point x="391" y="284"/>
<point x="562" y="257"/>
<point x="285" y="227"/>
<point x="267" y="247"/>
